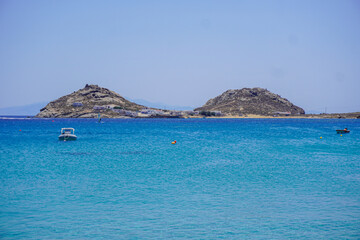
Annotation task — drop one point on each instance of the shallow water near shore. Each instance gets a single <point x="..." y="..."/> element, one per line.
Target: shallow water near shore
<point x="224" y="178"/>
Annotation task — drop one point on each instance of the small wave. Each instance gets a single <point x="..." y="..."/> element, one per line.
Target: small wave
<point x="134" y="153"/>
<point x="79" y="153"/>
<point x="351" y="177"/>
<point x="116" y="153"/>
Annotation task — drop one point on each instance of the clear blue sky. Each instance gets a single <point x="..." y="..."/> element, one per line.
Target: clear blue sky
<point x="182" y="52"/>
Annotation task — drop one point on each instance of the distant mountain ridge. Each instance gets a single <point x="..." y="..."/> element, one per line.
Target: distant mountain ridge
<point x="86" y="102"/>
<point x="91" y="100"/>
<point x="160" y="105"/>
<point x="25" y="110"/>
<point x="257" y="101"/>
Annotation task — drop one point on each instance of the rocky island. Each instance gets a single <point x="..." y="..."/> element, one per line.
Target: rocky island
<point x="93" y="101"/>
<point x="88" y="102"/>
<point x="256" y="101"/>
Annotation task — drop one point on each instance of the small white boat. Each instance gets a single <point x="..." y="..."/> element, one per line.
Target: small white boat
<point x="67" y="134"/>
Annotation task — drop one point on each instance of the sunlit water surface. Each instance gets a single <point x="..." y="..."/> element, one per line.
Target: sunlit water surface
<point x="229" y="179"/>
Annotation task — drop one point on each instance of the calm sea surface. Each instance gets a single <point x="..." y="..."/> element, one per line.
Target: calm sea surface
<point x="224" y="179"/>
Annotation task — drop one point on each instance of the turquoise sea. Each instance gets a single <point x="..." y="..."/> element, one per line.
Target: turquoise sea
<point x="223" y="179"/>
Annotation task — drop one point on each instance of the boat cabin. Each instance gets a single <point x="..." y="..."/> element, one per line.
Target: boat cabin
<point x="67" y="131"/>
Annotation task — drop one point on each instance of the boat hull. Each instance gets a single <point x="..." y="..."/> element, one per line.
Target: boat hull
<point x="67" y="137"/>
<point x="342" y="131"/>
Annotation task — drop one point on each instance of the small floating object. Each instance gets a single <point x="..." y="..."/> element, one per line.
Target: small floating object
<point x="345" y="130"/>
<point x="173" y="142"/>
<point x="67" y="134"/>
<point x="20" y="130"/>
<point x="320" y="137"/>
<point x="341" y="135"/>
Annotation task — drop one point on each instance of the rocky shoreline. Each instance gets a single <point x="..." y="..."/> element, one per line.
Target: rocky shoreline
<point x="355" y="115"/>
